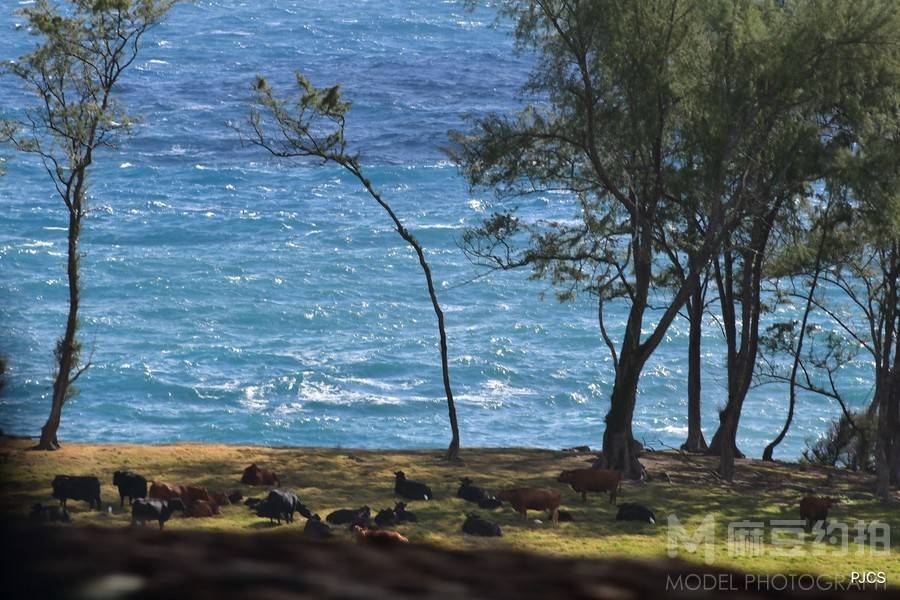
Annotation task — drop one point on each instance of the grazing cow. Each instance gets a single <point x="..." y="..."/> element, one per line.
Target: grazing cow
<point x="144" y="509"/>
<point x="411" y="490"/>
<point x="347" y="516"/>
<point x="195" y="493"/>
<point x="220" y="498"/>
<point x="490" y="503"/>
<point x="74" y="487"/>
<point x="635" y="512"/>
<point x="525" y="499"/>
<point x="160" y="490"/>
<point x="48" y="514"/>
<point x="254" y="475"/>
<point x="814" y="509"/>
<point x="235" y="497"/>
<point x="131" y="485"/>
<point x="592" y="480"/>
<point x="403" y="515"/>
<point x="475" y="525"/>
<point x="565" y="516"/>
<point x="381" y="537"/>
<point x="270" y="511"/>
<point x="386" y="517"/>
<point x="316" y="529"/>
<point x="253" y="503"/>
<point x="200" y="509"/>
<point x="281" y="504"/>
<point x="471" y="493"/>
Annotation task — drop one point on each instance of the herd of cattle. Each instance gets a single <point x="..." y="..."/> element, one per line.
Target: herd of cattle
<point x="157" y="501"/>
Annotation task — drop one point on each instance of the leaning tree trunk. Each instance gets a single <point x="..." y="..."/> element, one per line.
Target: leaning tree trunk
<point x="695" y="441"/>
<point x="792" y="384"/>
<point x="353" y="167"/>
<point x="453" y="449"/>
<point x="66" y="349"/>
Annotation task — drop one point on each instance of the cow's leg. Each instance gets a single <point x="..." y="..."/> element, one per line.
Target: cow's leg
<point x="161" y="523"/>
<point x="554" y="515"/>
<point x="584" y="497"/>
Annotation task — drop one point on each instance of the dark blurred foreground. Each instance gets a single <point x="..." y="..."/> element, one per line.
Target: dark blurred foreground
<point x="94" y="563"/>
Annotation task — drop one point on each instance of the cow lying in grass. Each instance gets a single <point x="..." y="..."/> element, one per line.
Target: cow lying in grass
<point x="48" y="514"/>
<point x="409" y="489"/>
<point x="316" y="529"/>
<point x="160" y="490"/>
<point x="254" y="475"/>
<point x="380" y="537"/>
<point x="475" y="525"/>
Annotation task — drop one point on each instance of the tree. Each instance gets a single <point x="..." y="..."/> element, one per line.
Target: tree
<point x="803" y="258"/>
<point x="650" y="113"/>
<point x="315" y="129"/>
<point x="83" y="52"/>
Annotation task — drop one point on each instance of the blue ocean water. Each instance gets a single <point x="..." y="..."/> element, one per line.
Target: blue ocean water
<point x="229" y="297"/>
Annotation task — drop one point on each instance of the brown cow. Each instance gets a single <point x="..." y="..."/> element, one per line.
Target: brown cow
<point x="195" y="493"/>
<point x="382" y="537"/>
<point x="254" y="475"/>
<point x="592" y="480"/>
<point x="525" y="499"/>
<point x="161" y="490"/>
<point x="201" y="508"/>
<point x="813" y="510"/>
<point x="220" y="498"/>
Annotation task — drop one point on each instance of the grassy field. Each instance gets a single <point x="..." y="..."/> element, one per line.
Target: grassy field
<point x="327" y="479"/>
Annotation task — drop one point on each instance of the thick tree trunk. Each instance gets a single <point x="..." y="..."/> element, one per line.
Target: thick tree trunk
<point x="67" y="347"/>
<point x="695" y="441"/>
<point x="620" y="450"/>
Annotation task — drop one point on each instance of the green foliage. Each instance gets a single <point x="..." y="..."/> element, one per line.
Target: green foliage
<point x="84" y="48"/>
<point x="849" y="443"/>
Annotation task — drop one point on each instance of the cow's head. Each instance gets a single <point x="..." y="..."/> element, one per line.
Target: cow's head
<point x="565" y="477"/>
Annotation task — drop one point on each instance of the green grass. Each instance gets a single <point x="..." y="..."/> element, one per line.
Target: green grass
<point x="327" y="479"/>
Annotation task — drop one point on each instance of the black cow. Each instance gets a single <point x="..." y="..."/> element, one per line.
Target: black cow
<point x="635" y="512"/>
<point x="403" y="515"/>
<point x="316" y="529"/>
<point x="411" y="490"/>
<point x="281" y="504"/>
<point x="74" y="487"/>
<point x="386" y="517"/>
<point x="130" y="484"/>
<point x="475" y="525"/>
<point x="489" y="503"/>
<point x="471" y="493"/>
<point x="349" y="516"/>
<point x="144" y="509"/>
<point x="48" y="514"/>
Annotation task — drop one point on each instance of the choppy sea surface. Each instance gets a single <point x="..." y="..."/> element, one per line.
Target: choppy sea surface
<point x="229" y="297"/>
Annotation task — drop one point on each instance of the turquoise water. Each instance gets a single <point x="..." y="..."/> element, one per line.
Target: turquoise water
<point x="229" y="297"/>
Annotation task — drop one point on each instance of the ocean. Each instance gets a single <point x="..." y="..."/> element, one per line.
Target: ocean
<point x="230" y="297"/>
